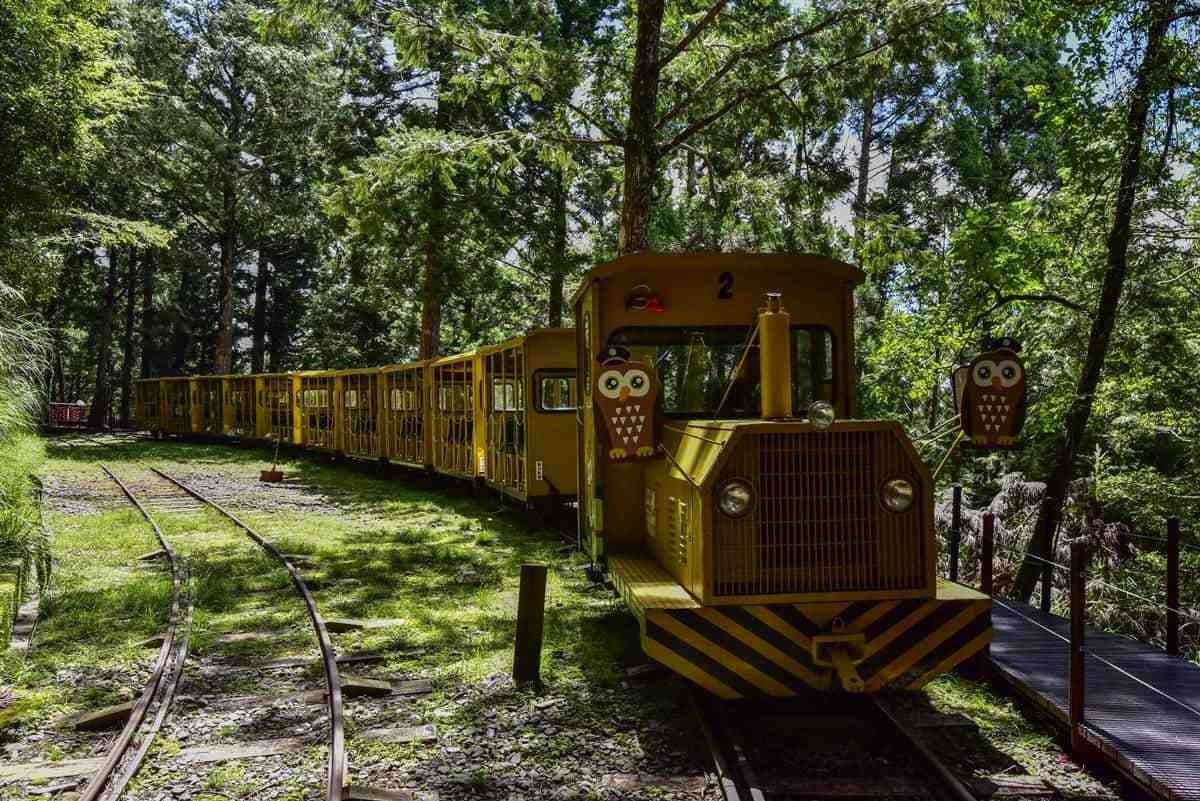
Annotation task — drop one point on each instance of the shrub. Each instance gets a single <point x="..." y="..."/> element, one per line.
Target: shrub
<point x="23" y="541"/>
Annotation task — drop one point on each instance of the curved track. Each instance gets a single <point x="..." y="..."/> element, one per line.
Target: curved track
<point x="878" y="756"/>
<point x="116" y="771"/>
<point x="336" y="776"/>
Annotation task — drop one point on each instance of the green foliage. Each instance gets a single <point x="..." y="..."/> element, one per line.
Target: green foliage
<point x="23" y="542"/>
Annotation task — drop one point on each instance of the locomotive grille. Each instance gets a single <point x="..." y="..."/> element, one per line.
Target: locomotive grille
<point x="818" y="525"/>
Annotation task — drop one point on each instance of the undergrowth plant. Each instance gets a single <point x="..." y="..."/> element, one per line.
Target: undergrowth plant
<point x="23" y="541"/>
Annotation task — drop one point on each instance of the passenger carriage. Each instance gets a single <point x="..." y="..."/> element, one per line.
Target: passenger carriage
<point x="407" y="426"/>
<point x="148" y="405"/>
<point x="530" y="416"/>
<point x="457" y="429"/>
<point x="316" y="410"/>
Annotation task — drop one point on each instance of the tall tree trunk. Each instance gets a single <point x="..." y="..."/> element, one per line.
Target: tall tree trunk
<point x="558" y="266"/>
<point x="150" y="367"/>
<point x="1075" y="424"/>
<point x="258" y="350"/>
<point x="131" y="282"/>
<point x="864" y="158"/>
<point x="223" y="355"/>
<point x="60" y="380"/>
<point x="181" y="335"/>
<point x="433" y="290"/>
<point x="641" y="145"/>
<point x="102" y="394"/>
<point x="279" y="336"/>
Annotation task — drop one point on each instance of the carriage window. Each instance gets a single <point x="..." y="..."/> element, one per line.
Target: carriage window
<point x="404" y="400"/>
<point x="557" y="392"/>
<point x="695" y="365"/>
<point x="506" y="396"/>
<point x="316" y="398"/>
<point x="454" y="397"/>
<point x="352" y="399"/>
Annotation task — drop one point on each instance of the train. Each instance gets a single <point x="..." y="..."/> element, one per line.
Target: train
<point x="701" y="420"/>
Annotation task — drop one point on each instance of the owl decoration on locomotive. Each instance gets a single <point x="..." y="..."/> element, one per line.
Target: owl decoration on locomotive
<point x="626" y="393"/>
<point x="990" y="395"/>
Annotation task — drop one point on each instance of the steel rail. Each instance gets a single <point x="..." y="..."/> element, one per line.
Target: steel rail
<point x="337" y="731"/>
<point x="951" y="784"/>
<point x="101" y="777"/>
<point x="736" y="776"/>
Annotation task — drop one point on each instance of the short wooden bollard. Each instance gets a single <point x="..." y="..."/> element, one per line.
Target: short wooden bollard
<point x="1173" y="586"/>
<point x="531" y="612"/>
<point x="987" y="554"/>
<point x="955" y="532"/>
<point x="1078" y="602"/>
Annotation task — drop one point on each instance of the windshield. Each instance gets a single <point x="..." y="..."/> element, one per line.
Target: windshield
<point x="696" y="365"/>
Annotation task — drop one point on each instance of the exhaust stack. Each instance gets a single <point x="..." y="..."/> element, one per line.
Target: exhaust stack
<point x="775" y="350"/>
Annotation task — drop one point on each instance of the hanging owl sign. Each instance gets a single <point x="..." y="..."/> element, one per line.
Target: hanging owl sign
<point x="990" y="396"/>
<point x="626" y="392"/>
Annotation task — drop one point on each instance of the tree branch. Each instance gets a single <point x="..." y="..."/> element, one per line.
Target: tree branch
<point x="691" y="35"/>
<point x="1046" y="297"/>
<point x="755" y="91"/>
<point x="733" y="60"/>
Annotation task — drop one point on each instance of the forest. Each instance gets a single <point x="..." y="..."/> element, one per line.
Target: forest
<point x="216" y="186"/>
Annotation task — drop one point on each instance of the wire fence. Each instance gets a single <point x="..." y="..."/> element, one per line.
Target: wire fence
<point x="1177" y="616"/>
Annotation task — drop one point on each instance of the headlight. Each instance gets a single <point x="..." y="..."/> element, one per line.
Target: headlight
<point x="821" y="415"/>
<point x="898" y="495"/>
<point x="735" y="498"/>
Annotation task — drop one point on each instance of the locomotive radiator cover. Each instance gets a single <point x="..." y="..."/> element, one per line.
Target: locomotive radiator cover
<point x="817" y="524"/>
<point x="817" y="528"/>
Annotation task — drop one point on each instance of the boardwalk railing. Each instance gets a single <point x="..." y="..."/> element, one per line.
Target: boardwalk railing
<point x="1078" y="580"/>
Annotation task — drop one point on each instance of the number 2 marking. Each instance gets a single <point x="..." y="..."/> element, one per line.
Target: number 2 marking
<point x="725" y="286"/>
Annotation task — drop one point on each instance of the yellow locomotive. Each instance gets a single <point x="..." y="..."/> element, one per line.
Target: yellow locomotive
<point x="766" y="540"/>
<point x="760" y="552"/>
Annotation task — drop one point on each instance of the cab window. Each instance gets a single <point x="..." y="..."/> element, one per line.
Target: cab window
<point x="696" y="364"/>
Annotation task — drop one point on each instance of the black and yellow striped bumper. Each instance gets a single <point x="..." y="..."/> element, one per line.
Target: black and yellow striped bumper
<point x="775" y="650"/>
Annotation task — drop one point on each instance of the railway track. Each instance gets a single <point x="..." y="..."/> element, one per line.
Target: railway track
<point x="120" y="763"/>
<point x="337" y="765"/>
<point x="158" y="491"/>
<point x="820" y="749"/>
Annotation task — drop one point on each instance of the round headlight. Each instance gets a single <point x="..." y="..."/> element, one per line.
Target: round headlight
<point x="898" y="495"/>
<point x="821" y="414"/>
<point x="735" y="498"/>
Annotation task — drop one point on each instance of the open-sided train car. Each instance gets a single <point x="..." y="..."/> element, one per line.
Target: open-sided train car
<point x="407" y="430"/>
<point x="530" y="414"/>
<point x="761" y="552"/>
<point x="498" y="414"/>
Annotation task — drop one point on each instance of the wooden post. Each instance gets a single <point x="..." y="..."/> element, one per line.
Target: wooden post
<point x="988" y="553"/>
<point x="1047" y="583"/>
<point x="1078" y="601"/>
<point x="531" y="611"/>
<point x="955" y="532"/>
<point x="1172" y="585"/>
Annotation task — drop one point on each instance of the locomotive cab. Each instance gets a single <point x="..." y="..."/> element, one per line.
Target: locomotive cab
<point x="768" y="541"/>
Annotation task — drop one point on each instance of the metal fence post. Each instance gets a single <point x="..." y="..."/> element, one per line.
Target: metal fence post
<point x="988" y="553"/>
<point x="1172" y="585"/>
<point x="531" y="612"/>
<point x="955" y="532"/>
<point x="1078" y="601"/>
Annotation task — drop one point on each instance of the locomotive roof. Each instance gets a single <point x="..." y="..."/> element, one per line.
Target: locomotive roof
<point x="767" y="262"/>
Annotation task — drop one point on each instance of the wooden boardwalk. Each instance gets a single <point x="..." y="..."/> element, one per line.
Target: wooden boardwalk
<point x="1142" y="707"/>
